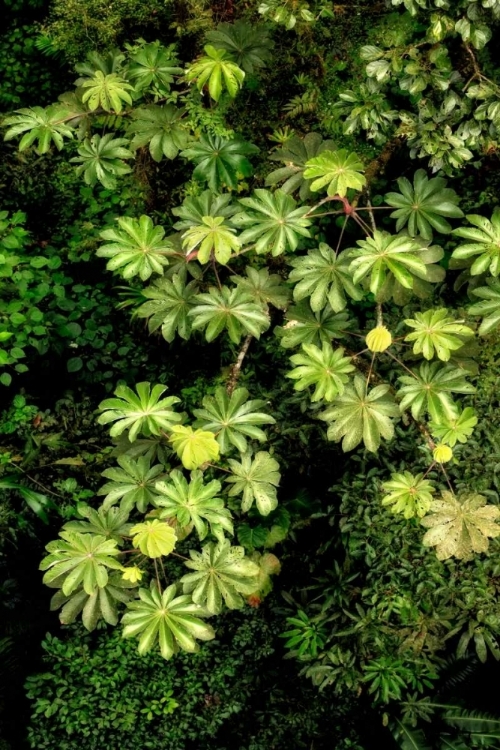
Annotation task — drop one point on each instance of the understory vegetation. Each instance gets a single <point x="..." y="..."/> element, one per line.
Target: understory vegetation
<point x="249" y="351"/>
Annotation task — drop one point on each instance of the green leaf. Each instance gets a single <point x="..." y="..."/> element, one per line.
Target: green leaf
<point x="137" y="248"/>
<point x="450" y="430"/>
<point x="430" y="391"/>
<point x="153" y="67"/>
<point x="217" y="71"/>
<point x="229" y="309"/>
<point x="194" y="208"/>
<point x="80" y="559"/>
<point x="435" y="332"/>
<point x="326" y="369"/>
<point x="194" y="504"/>
<point x="154" y="538"/>
<point x="133" y="484"/>
<point x="423" y="205"/>
<point x="256" y="479"/>
<point x="222" y="573"/>
<point x="409" y="494"/>
<point x="460" y="526"/>
<point x="109" y="92"/>
<point x="339" y="171"/>
<point x="489" y="308"/>
<point x="233" y="418"/>
<point x="220" y="162"/>
<point x="294" y="154"/>
<point x="141" y="412"/>
<point x="272" y="221"/>
<point x="101" y="160"/>
<point x="47" y="126"/>
<point x="386" y="255"/>
<point x="252" y="537"/>
<point x="159" y="128"/>
<point x="194" y="447"/>
<point x="110" y="523"/>
<point x="37" y="502"/>
<point x="267" y="288"/>
<point x="248" y="45"/>
<point x="325" y="278"/>
<point x="306" y="327"/>
<point x="101" y="605"/>
<point x="74" y="364"/>
<point x="485" y="244"/>
<point x="170" y="301"/>
<point x="213" y="236"/>
<point x="359" y="415"/>
<point x="169" y="620"/>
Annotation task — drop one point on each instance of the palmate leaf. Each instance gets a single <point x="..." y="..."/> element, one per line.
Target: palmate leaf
<point x="267" y="288"/>
<point x="233" y="418"/>
<point x="109" y="92"/>
<point x="219" y="162"/>
<point x="110" y="523"/>
<point x="272" y="221"/>
<point x="139" y="412"/>
<point x="217" y="71"/>
<point x="194" y="447"/>
<point x="47" y="126"/>
<point x="436" y="333"/>
<point x="422" y="282"/>
<point x="248" y="45"/>
<point x="159" y="128"/>
<point x="195" y="504"/>
<point x="229" y="309"/>
<point x="306" y="327"/>
<point x="101" y="605"/>
<point x="326" y="369"/>
<point x="409" y="494"/>
<point x="456" y="429"/>
<point x="132" y="484"/>
<point x="359" y="415"/>
<point x="383" y="255"/>
<point x="101" y="159"/>
<point x="459" y="526"/>
<point x="294" y="154"/>
<point x="256" y="479"/>
<point x="222" y="573"/>
<point x="430" y="390"/>
<point x="325" y="278"/>
<point x="339" y="171"/>
<point x="108" y="62"/>
<point x="153" y="67"/>
<point x="489" y="307"/>
<point x="169" y="302"/>
<point x="424" y="205"/>
<point x="484" y="243"/>
<point x="80" y="559"/>
<point x="212" y="236"/>
<point x="174" y="622"/>
<point x="154" y="538"/>
<point x="194" y="208"/>
<point x="137" y="248"/>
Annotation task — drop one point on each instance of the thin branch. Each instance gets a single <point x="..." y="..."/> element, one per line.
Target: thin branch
<point x="236" y="368"/>
<point x="35" y="481"/>
<point x="157" y="576"/>
<point x="370" y="214"/>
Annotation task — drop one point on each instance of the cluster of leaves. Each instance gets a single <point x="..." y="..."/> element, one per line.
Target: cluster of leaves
<point x="244" y="258"/>
<point x="85" y="563"/>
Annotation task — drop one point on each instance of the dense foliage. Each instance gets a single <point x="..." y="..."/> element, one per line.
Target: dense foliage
<point x="249" y="314"/>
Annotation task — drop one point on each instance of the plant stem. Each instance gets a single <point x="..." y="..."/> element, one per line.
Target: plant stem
<point x="236" y="368"/>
